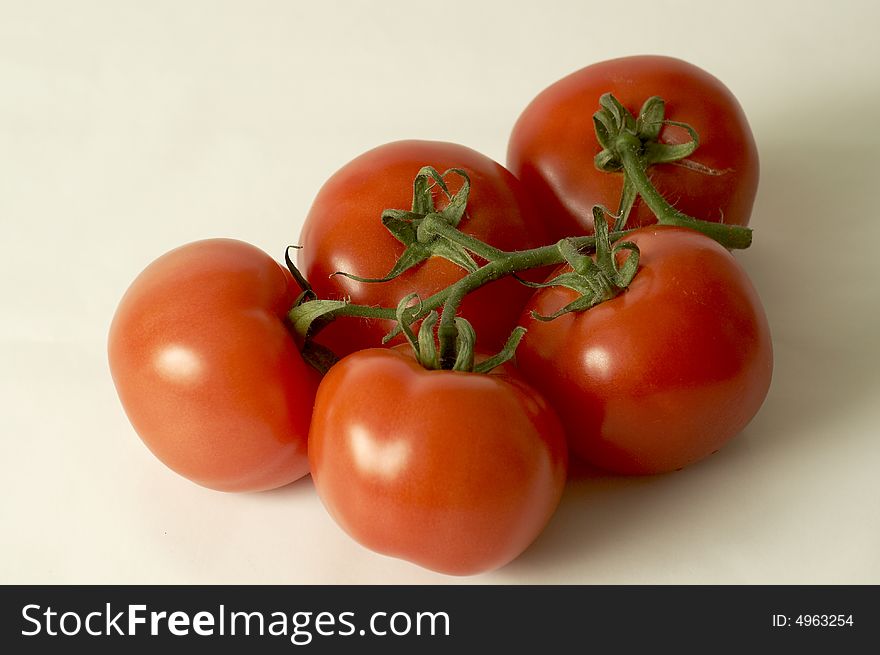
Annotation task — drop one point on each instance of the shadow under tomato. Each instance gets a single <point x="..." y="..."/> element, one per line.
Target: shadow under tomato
<point x="598" y="512"/>
<point x="295" y="489"/>
<point x="607" y="526"/>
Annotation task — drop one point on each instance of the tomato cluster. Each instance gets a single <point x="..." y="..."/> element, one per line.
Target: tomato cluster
<point x="645" y="348"/>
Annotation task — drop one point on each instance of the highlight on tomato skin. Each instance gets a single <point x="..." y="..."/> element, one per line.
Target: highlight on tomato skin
<point x="206" y="370"/>
<point x="553" y="144"/>
<point x="456" y="472"/>
<point x="664" y="374"/>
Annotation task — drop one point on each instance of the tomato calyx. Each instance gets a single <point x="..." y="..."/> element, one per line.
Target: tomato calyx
<point x="410" y="226"/>
<point x="596" y="280"/>
<point x="613" y="117"/>
<point x="630" y="145"/>
<point x="458" y="353"/>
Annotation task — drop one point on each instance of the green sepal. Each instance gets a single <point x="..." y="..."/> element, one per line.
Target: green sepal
<point x="307" y="292"/>
<point x="604" y="253"/>
<point x="303" y="315"/>
<point x="581" y="264"/>
<point x="465" y="342"/>
<point x="623" y="120"/>
<point x="628" y="197"/>
<point x="318" y="357"/>
<point x="423" y="201"/>
<point x="304" y="318"/>
<point x="427" y="341"/>
<point x="591" y="292"/>
<point x="580" y="304"/>
<point x="412" y="256"/>
<point x="604" y="129"/>
<point x="650" y="120"/>
<point x="624" y="274"/>
<point x="528" y="283"/>
<point x="607" y="162"/>
<point x="506" y="354"/>
<point x="404" y="320"/>
<point x="608" y="122"/>
<point x="454" y="253"/>
<point x="662" y="153"/>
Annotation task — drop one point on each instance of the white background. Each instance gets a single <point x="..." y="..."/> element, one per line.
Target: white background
<point x="127" y="129"/>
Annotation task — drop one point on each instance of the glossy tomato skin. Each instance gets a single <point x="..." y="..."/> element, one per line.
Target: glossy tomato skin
<point x="665" y="373"/>
<point x="343" y="232"/>
<point x="554" y="142"/>
<point x="206" y="370"/>
<point x="457" y="472"/>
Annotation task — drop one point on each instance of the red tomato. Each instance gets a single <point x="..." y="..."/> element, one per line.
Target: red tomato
<point x="665" y="373"/>
<point x="206" y="370"/>
<point x="554" y="142"/>
<point x="457" y="472"/>
<point x="343" y="232"/>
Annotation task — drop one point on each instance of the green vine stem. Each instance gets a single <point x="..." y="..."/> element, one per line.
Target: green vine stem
<point x="631" y="145"/>
<point x="309" y="316"/>
<point x="304" y="315"/>
<point x="730" y="236"/>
